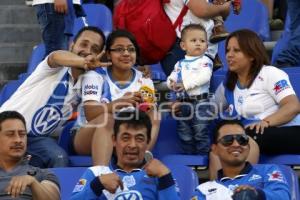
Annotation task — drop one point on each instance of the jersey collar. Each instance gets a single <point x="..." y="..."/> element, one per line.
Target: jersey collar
<point x="245" y="171"/>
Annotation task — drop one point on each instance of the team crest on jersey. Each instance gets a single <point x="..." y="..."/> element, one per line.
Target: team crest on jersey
<point x="80" y="185"/>
<point x="129" y="181"/>
<point x="280" y="86"/>
<point x="129" y="195"/>
<point x="232" y="187"/>
<point x="275" y="176"/>
<point x="254" y="177"/>
<point x="45" y="120"/>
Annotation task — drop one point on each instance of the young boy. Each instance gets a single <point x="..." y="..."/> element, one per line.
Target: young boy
<point x="190" y="81"/>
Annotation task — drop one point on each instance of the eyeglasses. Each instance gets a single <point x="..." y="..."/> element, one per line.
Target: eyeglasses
<point x="122" y="50"/>
<point x="228" y="140"/>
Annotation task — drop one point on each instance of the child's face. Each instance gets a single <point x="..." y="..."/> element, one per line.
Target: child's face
<point x="194" y="43"/>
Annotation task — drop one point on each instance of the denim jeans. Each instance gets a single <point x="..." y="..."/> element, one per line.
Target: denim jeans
<point x="290" y="55"/>
<point x="192" y="127"/>
<point x="53" y="27"/>
<point x="46" y="153"/>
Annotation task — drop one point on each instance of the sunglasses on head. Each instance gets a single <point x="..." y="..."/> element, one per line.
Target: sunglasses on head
<point x="228" y="140"/>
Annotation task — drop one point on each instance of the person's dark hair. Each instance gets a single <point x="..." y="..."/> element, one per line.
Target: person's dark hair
<point x="93" y="29"/>
<point x="252" y="46"/>
<point x="11" y="115"/>
<point x="134" y="119"/>
<point x="222" y="123"/>
<point x="192" y="27"/>
<point x="119" y="33"/>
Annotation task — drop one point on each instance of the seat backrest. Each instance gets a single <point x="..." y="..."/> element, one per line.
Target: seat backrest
<point x="292" y="180"/>
<point x="282" y="42"/>
<point x="253" y="16"/>
<point x="37" y="56"/>
<point x="97" y="15"/>
<point x="167" y="141"/>
<point x="10" y="87"/>
<point x="68" y="177"/>
<point x="294" y="75"/>
<point x="186" y="179"/>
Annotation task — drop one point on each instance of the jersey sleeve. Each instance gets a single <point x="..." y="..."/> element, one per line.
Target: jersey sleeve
<point x="167" y="188"/>
<point x="275" y="184"/>
<point x="173" y="76"/>
<point x="82" y="189"/>
<point x="278" y="84"/>
<point x="92" y="85"/>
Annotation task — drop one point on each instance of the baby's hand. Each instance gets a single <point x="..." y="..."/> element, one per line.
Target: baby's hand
<point x="172" y="85"/>
<point x="179" y="87"/>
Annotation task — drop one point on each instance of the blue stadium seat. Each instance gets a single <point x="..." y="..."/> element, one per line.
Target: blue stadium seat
<point x="253" y="16"/>
<point x="97" y="15"/>
<point x="292" y="179"/>
<point x="10" y="87"/>
<point x="167" y="147"/>
<point x="68" y="178"/>
<point x="186" y="179"/>
<point x="37" y="56"/>
<point x="157" y="73"/>
<point x="283" y="40"/>
<point x="65" y="142"/>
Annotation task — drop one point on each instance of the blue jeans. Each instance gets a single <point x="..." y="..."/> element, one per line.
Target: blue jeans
<point x="46" y="153"/>
<point x="290" y="55"/>
<point x="53" y="27"/>
<point x="174" y="55"/>
<point x="192" y="128"/>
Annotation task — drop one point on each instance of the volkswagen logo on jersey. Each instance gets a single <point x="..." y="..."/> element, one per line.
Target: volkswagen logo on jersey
<point x="45" y="120"/>
<point x="129" y="195"/>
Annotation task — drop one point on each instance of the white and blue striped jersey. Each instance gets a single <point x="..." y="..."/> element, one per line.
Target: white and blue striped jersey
<point x="101" y="87"/>
<point x="268" y="180"/>
<point x="47" y="99"/>
<point x="137" y="186"/>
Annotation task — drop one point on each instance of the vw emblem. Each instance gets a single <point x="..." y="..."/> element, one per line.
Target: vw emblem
<point x="45" y="120"/>
<point x="129" y="195"/>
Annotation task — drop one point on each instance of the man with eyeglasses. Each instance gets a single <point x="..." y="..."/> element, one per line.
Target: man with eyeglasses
<point x="238" y="179"/>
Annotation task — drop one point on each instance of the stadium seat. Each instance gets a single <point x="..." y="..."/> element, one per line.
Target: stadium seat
<point x="68" y="177"/>
<point x="253" y="16"/>
<point x="283" y="40"/>
<point x="65" y="142"/>
<point x="157" y="73"/>
<point x="167" y="147"/>
<point x="292" y="179"/>
<point x="186" y="179"/>
<point x="10" y="87"/>
<point x="97" y="15"/>
<point x="37" y="56"/>
<point x="258" y="22"/>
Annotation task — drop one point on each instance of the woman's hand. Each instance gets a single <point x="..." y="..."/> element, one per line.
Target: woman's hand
<point x="259" y="126"/>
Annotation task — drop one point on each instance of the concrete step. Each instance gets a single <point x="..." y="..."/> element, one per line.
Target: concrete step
<point x="12" y="2"/>
<point x="17" y="14"/>
<point x="20" y="33"/>
<point x="16" y="52"/>
<point x="11" y="70"/>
